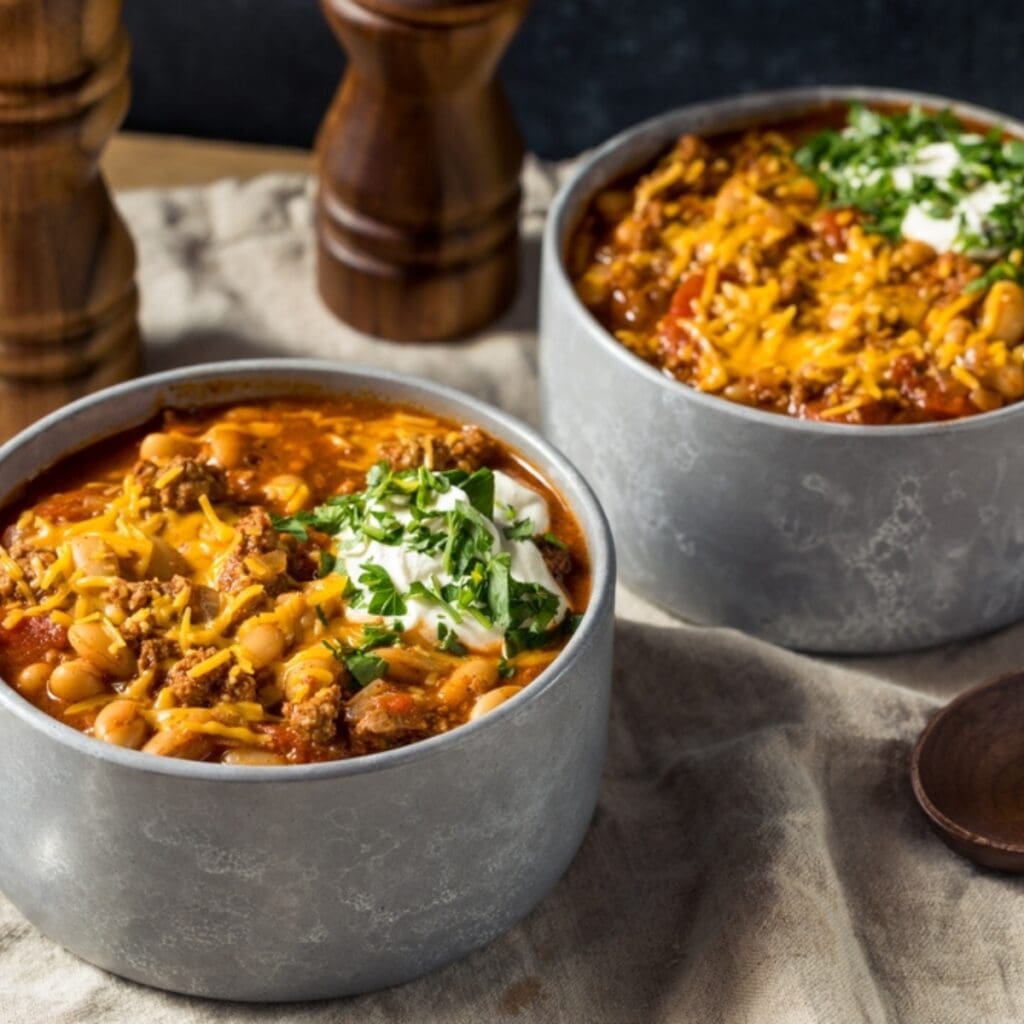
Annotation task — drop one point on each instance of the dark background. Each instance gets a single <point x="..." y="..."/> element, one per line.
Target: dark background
<point x="265" y="70"/>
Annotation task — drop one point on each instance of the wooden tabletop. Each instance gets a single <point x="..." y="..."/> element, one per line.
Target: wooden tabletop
<point x="136" y="160"/>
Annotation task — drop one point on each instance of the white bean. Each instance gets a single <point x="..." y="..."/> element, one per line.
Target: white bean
<point x="254" y="756"/>
<point x="263" y="644"/>
<point x="475" y="675"/>
<point x="32" y="679"/>
<point x="1002" y="314"/>
<point x="227" y="446"/>
<point x="75" y="680"/>
<point x="92" y="642"/>
<point x="160" y="447"/>
<point x="93" y="556"/>
<point x="121" y="723"/>
<point x="489" y="701"/>
<point x="181" y="743"/>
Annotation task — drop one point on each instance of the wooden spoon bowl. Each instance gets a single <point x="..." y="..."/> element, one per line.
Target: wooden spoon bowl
<point x="968" y="773"/>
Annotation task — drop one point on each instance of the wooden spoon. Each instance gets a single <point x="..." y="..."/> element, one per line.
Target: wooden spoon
<point x="968" y="773"/>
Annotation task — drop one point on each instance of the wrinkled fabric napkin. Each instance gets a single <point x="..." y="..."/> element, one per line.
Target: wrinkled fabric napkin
<point x="757" y="855"/>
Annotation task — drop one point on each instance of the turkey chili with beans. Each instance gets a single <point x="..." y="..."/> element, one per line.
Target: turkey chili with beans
<point x="861" y="268"/>
<point x="286" y="582"/>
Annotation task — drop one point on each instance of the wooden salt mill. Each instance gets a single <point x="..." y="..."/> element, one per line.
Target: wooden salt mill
<point x="67" y="290"/>
<point x="419" y="161"/>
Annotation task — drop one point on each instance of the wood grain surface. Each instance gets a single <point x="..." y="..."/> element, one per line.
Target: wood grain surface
<point x="419" y="162"/>
<point x="136" y="160"/>
<point x="67" y="264"/>
<point x="967" y="771"/>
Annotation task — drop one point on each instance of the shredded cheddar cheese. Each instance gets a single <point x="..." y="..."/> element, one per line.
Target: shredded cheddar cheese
<point x="165" y="604"/>
<point x="724" y="267"/>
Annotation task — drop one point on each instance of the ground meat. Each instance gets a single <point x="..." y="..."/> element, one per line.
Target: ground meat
<point x="381" y="710"/>
<point x="134" y="598"/>
<point x="281" y="560"/>
<point x="466" y="449"/>
<point x="130" y="597"/>
<point x="152" y="653"/>
<point x="183" y="492"/>
<point x="196" y="692"/>
<point x="315" y="720"/>
<point x="240" y="686"/>
<point x="33" y="564"/>
<point x="224" y="683"/>
<point x="558" y="559"/>
<point x="259" y="538"/>
<point x="136" y="630"/>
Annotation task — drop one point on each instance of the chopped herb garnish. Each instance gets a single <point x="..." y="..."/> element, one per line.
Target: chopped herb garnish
<point x="554" y="541"/>
<point x="321" y="615"/>
<point x="506" y="670"/>
<point x="499" y="591"/>
<point x="479" y="488"/>
<point x="448" y="641"/>
<point x="364" y="668"/>
<point x="474" y="581"/>
<point x="337" y="649"/>
<point x="384" y="598"/>
<point x="433" y="592"/>
<point x="469" y="539"/>
<point x="379" y="636"/>
<point x="327" y="564"/>
<point x="352" y="594"/>
<point x="886" y="164"/>
<point x="383" y="527"/>
<point x="425" y="540"/>
<point x="362" y="664"/>
<point x="294" y="526"/>
<point x="521" y="529"/>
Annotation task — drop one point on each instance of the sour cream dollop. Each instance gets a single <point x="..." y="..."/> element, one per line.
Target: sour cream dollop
<point x="514" y="502"/>
<point x="970" y="215"/>
<point x="938" y="161"/>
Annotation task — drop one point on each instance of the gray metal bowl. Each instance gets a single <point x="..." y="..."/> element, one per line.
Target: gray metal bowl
<point x="303" y="881"/>
<point x="816" y="536"/>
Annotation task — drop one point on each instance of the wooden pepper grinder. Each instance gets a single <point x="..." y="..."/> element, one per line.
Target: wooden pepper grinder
<point x="419" y="161"/>
<point x="67" y="291"/>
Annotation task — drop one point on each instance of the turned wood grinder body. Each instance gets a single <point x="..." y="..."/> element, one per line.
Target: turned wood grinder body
<point x="419" y="161"/>
<point x="67" y="292"/>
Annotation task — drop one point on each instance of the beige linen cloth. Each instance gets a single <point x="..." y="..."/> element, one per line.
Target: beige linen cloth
<point x="757" y="855"/>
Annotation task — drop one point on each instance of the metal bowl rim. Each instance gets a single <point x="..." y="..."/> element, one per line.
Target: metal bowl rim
<point x="615" y="156"/>
<point x="509" y="429"/>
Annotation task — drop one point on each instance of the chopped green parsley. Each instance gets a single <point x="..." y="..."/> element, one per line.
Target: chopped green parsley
<point x="400" y="509"/>
<point x="891" y="166"/>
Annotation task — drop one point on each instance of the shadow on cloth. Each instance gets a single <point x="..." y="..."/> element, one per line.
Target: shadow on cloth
<point x="710" y="785"/>
<point x="756" y="855"/>
<point x="521" y="315"/>
<point x="205" y="345"/>
<point x="948" y="670"/>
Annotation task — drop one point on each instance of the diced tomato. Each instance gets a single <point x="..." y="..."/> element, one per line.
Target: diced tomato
<point x="294" y="745"/>
<point x="72" y="506"/>
<point x="397" y="703"/>
<point x="29" y="641"/>
<point x="671" y="333"/>
<point x="834" y="227"/>
<point x="928" y="394"/>
<point x="685" y="297"/>
<point x="940" y="404"/>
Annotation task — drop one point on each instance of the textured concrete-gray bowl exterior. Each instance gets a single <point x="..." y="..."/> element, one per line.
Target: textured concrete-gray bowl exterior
<point x="816" y="536"/>
<point x="305" y="881"/>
